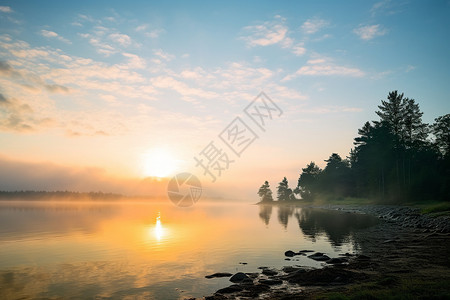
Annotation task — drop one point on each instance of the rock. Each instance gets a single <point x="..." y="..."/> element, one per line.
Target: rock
<point x="287" y="259"/>
<point x="305" y="251"/>
<point x="290" y="253"/>
<point x="362" y="257"/>
<point x="242" y="263"/>
<point x="220" y="274"/>
<point x="252" y="275"/>
<point x="238" y="277"/>
<point x="336" y="260"/>
<point x="230" y="289"/>
<point x="290" y="269"/>
<point x="319" y="256"/>
<point x="254" y="290"/>
<point x="324" y="276"/>
<point x="270" y="281"/>
<point x="216" y="297"/>
<point x="269" y="272"/>
<point x="247" y="281"/>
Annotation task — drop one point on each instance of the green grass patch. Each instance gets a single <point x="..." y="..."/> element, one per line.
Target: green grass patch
<point x="392" y="288"/>
<point x="436" y="208"/>
<point x="333" y="200"/>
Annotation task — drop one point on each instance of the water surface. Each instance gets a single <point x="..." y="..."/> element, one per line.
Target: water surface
<point x="155" y="250"/>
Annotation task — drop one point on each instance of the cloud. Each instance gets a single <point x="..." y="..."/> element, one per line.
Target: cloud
<point x="121" y="39"/>
<point x="3" y="100"/>
<point x="56" y="88"/>
<point x="15" y="115"/>
<point x="324" y="67"/>
<point x="141" y="27"/>
<point x="410" y="68"/>
<point x="30" y="80"/>
<point x="369" y="32"/>
<point x="298" y="49"/>
<point x="5" y="68"/>
<point x="5" y="9"/>
<point x="167" y="82"/>
<point x="100" y="47"/>
<point x="312" y="26"/>
<point x="387" y="7"/>
<point x="134" y="61"/>
<point x="154" y="33"/>
<point x="164" y="55"/>
<point x="268" y="33"/>
<point x="52" y="34"/>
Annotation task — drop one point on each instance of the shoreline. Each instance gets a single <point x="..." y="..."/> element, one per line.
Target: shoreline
<point x="395" y="260"/>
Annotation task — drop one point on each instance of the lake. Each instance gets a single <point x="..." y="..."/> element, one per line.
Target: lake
<point x="155" y="250"/>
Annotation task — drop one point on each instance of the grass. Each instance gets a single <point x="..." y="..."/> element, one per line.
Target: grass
<point x="436" y="208"/>
<point x="392" y="288"/>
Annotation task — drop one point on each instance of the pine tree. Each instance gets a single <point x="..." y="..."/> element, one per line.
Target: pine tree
<point x="283" y="190"/>
<point x="441" y="131"/>
<point x="265" y="193"/>
<point x="308" y="181"/>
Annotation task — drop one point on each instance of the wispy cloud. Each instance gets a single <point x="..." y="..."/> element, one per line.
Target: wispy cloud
<point x="167" y="82"/>
<point x="324" y="67"/>
<point x="369" y="32"/>
<point x="5" y="9"/>
<point x="164" y="55"/>
<point x="154" y="33"/>
<point x="135" y="62"/>
<point x="122" y="39"/>
<point x="299" y="49"/>
<point x="387" y="7"/>
<point x="52" y="34"/>
<point x="267" y="33"/>
<point x="312" y="26"/>
<point x="274" y="32"/>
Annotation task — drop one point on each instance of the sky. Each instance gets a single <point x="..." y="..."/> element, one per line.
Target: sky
<point x="121" y="96"/>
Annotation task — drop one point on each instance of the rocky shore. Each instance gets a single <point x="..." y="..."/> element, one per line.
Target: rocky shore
<point x="406" y="246"/>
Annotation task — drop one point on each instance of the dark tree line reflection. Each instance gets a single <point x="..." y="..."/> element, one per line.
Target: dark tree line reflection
<point x="337" y="226"/>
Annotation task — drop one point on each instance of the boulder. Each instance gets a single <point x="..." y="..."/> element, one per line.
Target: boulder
<point x="238" y="277"/>
<point x="220" y="274"/>
<point x="290" y="253"/>
<point x="318" y="256"/>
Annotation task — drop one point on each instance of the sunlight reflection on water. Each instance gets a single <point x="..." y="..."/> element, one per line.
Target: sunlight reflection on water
<point x="150" y="250"/>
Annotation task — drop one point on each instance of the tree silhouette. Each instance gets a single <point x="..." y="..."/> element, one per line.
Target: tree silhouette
<point x="283" y="191"/>
<point x="441" y="131"/>
<point x="308" y="181"/>
<point x="265" y="193"/>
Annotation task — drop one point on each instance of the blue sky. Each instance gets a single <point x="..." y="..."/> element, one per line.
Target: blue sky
<point x="103" y="85"/>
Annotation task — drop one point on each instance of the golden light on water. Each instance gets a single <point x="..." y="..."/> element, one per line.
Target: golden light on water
<point x="158" y="230"/>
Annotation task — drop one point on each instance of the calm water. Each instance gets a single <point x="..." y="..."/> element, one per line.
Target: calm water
<point x="155" y="251"/>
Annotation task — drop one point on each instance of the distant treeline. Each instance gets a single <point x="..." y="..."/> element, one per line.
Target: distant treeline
<point x="395" y="159"/>
<point x="57" y="195"/>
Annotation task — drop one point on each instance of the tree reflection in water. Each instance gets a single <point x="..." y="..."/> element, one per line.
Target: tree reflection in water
<point x="265" y="211"/>
<point x="338" y="226"/>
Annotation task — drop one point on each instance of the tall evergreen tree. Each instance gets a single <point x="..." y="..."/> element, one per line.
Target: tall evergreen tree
<point x="283" y="190"/>
<point x="441" y="131"/>
<point x="392" y="112"/>
<point x="308" y="181"/>
<point x="265" y="193"/>
<point x="415" y="131"/>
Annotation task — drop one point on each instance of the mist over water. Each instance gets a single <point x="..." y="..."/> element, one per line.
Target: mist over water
<point x="87" y="249"/>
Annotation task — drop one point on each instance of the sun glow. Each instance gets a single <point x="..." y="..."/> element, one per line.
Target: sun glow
<point x="159" y="163"/>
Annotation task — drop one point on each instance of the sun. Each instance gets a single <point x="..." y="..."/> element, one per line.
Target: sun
<point x="159" y="163"/>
